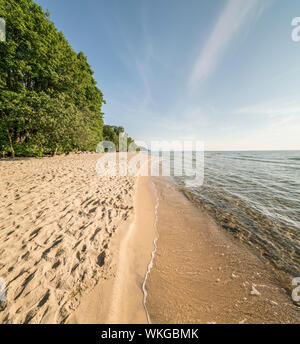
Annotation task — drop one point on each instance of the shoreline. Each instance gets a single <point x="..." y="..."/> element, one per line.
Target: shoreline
<point x="205" y="274"/>
<point x="79" y="248"/>
<point x="124" y="293"/>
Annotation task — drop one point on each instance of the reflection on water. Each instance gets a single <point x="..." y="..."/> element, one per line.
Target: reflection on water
<point x="255" y="195"/>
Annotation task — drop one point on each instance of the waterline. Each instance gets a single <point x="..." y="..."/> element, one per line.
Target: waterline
<point x="150" y="265"/>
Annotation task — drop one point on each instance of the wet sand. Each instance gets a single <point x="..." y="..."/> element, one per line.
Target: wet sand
<point x="201" y="274"/>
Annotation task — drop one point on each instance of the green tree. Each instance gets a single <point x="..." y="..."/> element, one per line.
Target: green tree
<point x="112" y="133"/>
<point x="49" y="101"/>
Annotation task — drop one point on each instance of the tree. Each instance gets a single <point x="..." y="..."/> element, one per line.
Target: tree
<point x="112" y="133"/>
<point x="49" y="101"/>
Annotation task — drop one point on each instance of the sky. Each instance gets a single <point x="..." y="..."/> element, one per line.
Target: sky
<point x="224" y="72"/>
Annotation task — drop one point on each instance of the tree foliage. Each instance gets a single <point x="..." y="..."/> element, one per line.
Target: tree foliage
<point x="49" y="101"/>
<point x="113" y="133"/>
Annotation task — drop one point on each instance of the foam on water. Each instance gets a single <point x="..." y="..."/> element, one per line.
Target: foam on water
<point x="150" y="265"/>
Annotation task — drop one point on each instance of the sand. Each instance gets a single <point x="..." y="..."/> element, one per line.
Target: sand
<point x="201" y="274"/>
<point x="79" y="248"/>
<point x="56" y="222"/>
<point x="120" y="299"/>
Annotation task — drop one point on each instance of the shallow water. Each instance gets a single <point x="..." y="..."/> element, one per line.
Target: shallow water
<point x="256" y="196"/>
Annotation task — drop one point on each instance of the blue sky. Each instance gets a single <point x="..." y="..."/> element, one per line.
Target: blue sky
<point x="225" y="72"/>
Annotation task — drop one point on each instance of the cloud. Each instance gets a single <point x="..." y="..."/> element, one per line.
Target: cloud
<point x="269" y="111"/>
<point x="279" y="137"/>
<point x="230" y="20"/>
<point x="191" y="120"/>
<point x="273" y="109"/>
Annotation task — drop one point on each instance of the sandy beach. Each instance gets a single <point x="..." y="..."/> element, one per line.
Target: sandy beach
<point x="149" y="165"/>
<point x="123" y="297"/>
<point x="56" y="223"/>
<point x="79" y="248"/>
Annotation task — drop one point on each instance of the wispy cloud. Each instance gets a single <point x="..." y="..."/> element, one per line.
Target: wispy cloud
<point x="287" y="107"/>
<point x="269" y="111"/>
<point x="230" y="20"/>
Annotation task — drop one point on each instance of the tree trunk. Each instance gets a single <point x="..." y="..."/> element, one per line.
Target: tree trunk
<point x="54" y="153"/>
<point x="11" y="145"/>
